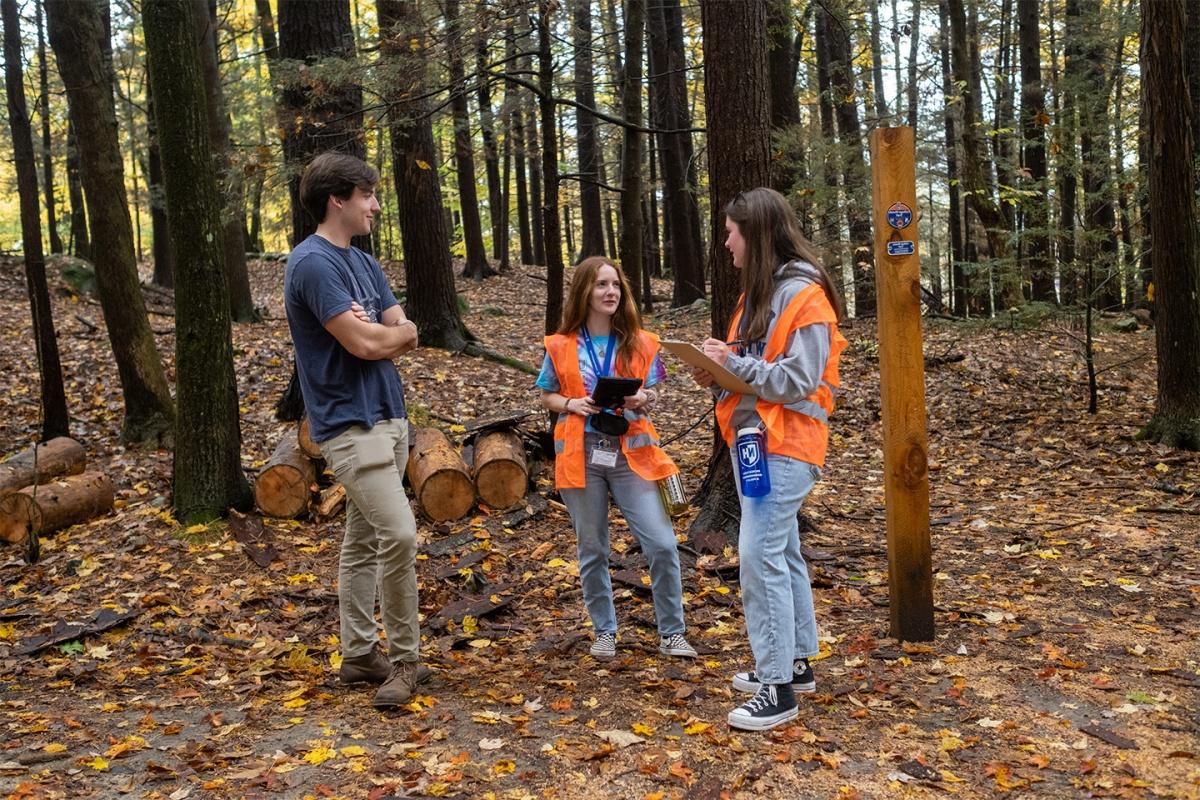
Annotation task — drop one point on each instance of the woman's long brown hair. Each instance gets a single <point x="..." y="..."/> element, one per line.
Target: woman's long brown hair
<point x="626" y="321"/>
<point x="773" y="237"/>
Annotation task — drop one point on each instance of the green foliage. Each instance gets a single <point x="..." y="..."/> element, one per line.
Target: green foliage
<point x="80" y="275"/>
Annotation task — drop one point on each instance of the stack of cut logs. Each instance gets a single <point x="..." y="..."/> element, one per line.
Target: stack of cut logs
<point x="443" y="484"/>
<point x="55" y="493"/>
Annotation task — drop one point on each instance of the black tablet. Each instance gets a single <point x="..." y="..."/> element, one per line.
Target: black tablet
<point x="611" y="392"/>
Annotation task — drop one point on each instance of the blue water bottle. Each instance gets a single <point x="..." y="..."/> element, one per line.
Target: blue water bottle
<point x="753" y="475"/>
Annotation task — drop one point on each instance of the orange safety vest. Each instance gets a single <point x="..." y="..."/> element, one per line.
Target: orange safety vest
<point x="640" y="444"/>
<point x="799" y="429"/>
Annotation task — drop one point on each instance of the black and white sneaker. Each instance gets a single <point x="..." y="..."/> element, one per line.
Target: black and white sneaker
<point x="773" y="705"/>
<point x="676" y="645"/>
<point x="605" y="645"/>
<point x="802" y="679"/>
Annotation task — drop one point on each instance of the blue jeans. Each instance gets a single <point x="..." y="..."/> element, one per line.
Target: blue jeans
<point x="776" y="594"/>
<point x="640" y="504"/>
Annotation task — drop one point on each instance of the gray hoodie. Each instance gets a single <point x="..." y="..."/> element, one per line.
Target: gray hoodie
<point x="797" y="373"/>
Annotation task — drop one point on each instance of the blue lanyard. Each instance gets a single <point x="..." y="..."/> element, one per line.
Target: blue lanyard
<point x="608" y="353"/>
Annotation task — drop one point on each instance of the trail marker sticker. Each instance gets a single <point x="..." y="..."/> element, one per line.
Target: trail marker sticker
<point x="901" y="248"/>
<point x="899" y="216"/>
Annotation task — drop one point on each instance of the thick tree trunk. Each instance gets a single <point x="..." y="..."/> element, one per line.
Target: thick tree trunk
<point x="587" y="146"/>
<point x="432" y="302"/>
<point x="739" y="146"/>
<point x="440" y="480"/>
<point x="208" y="478"/>
<point x="881" y="106"/>
<point x="163" y="255"/>
<point x="229" y="176"/>
<point x="55" y="457"/>
<point x="476" y="265"/>
<point x="788" y="148"/>
<point x="858" y="212"/>
<point x="684" y="248"/>
<point x="55" y="421"/>
<point x="487" y="129"/>
<point x="1174" y="230"/>
<point x="958" y="276"/>
<point x="1033" y="125"/>
<point x="632" y="243"/>
<point x="56" y="244"/>
<point x="1067" y="165"/>
<point x="55" y="505"/>
<point x="284" y="485"/>
<point x="75" y="31"/>
<point x="913" y="54"/>
<point x="550" y="230"/>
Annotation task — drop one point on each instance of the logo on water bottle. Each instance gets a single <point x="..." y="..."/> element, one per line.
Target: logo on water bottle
<point x="748" y="451"/>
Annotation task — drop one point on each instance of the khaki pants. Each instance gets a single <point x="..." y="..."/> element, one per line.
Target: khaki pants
<point x="380" y="544"/>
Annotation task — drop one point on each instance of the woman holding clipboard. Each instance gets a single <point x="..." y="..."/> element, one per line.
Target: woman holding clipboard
<point x="785" y="345"/>
<point x="607" y="444"/>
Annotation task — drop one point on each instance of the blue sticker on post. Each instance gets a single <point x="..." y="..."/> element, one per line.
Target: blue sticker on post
<point x="901" y="248"/>
<point x="899" y="216"/>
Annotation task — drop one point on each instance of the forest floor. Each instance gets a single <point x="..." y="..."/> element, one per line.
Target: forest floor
<point x="1067" y="588"/>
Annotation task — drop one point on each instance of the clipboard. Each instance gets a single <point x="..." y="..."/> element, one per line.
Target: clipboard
<point x="694" y="356"/>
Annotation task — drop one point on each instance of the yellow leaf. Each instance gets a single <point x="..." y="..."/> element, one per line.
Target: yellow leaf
<point x="950" y="777"/>
<point x="335" y="660"/>
<point x="642" y="729"/>
<point x="97" y="763"/>
<point x="556" y="562"/>
<point x="319" y="755"/>
<point x="505" y="767"/>
<point x="1161" y="467"/>
<point x="458" y="428"/>
<point x="8" y="633"/>
<point x="480" y="643"/>
<point x="296" y="702"/>
<point x="469" y="625"/>
<point x="55" y="747"/>
<point x="697" y="727"/>
<point x="423" y="164"/>
<point x="353" y="751"/>
<point x="303" y="577"/>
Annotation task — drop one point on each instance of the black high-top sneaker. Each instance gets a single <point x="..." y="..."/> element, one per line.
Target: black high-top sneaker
<point x="802" y="679"/>
<point x="773" y="705"/>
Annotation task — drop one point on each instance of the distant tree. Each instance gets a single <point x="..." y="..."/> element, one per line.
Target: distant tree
<point x="55" y="421"/>
<point x="163" y="255"/>
<point x="587" y="144"/>
<point x="1174" y="226"/>
<point x="1033" y="127"/>
<point x="81" y="246"/>
<point x="487" y="130"/>
<point x="550" y="223"/>
<point x="76" y="31"/>
<point x="56" y="245"/>
<point x="738" y="120"/>
<point x="954" y="212"/>
<point x="208" y="477"/>
<point x="632" y="243"/>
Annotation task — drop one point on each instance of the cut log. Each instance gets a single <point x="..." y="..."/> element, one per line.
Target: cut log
<point x="307" y="445"/>
<point x="439" y="478"/>
<point x="61" y="456"/>
<point x="332" y="500"/>
<point x="501" y="476"/>
<point x="58" y="504"/>
<point x="284" y="483"/>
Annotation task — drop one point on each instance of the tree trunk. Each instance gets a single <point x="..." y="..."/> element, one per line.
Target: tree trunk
<point x="208" y="477"/>
<point x="551" y="234"/>
<point x="476" y="265"/>
<point x="958" y="277"/>
<point x="858" y="216"/>
<point x="1174" y="230"/>
<point x="1033" y="126"/>
<point x="55" y="420"/>
<point x="881" y="106"/>
<point x="58" y="456"/>
<point x="587" y="146"/>
<point x="440" y="480"/>
<point x="284" y="485"/>
<point x="432" y="302"/>
<point x="1193" y="71"/>
<point x="318" y="114"/>
<point x="164" y="257"/>
<point x="632" y="236"/>
<point x="487" y="128"/>
<point x="739" y="146"/>
<point x="57" y="505"/>
<point x="75" y="31"/>
<point x="56" y="245"/>
<point x="913" y="53"/>
<point x="537" y="224"/>
<point x="521" y="136"/>
<point x="81" y="246"/>
<point x="229" y="176"/>
<point x="501" y="476"/>
<point x="1068" y="161"/>
<point x="684" y="249"/>
<point x="785" y="108"/>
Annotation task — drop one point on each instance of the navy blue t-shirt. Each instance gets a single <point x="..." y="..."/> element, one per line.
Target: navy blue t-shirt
<point x="339" y="388"/>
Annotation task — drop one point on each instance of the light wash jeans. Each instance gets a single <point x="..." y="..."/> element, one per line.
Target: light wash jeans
<point x="776" y="594"/>
<point x="640" y="504"/>
<point x="379" y="548"/>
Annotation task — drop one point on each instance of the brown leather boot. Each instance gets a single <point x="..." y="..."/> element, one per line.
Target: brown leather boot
<point x="399" y="686"/>
<point x="371" y="667"/>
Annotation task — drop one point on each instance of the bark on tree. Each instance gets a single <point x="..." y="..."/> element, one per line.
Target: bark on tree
<point x="432" y="302"/>
<point x="684" y="248"/>
<point x="830" y="231"/>
<point x="487" y="129"/>
<point x="858" y="211"/>
<point x="81" y="246"/>
<point x="1068" y="161"/>
<point x="163" y="255"/>
<point x="520" y="139"/>
<point x="587" y="146"/>
<point x="476" y="265"/>
<point x="550" y="230"/>
<point x="958" y="276"/>
<point x="1033" y="127"/>
<point x="229" y="175"/>
<point x="913" y="52"/>
<point x="1193" y="71"/>
<point x="881" y="106"/>
<point x="56" y="244"/>
<point x="208" y="478"/>
<point x="788" y="148"/>
<point x="739" y="144"/>
<point x="632" y="243"/>
<point x="75" y="31"/>
<point x="1174" y="227"/>
<point x="55" y="420"/>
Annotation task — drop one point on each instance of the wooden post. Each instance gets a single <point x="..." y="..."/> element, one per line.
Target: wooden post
<point x="902" y="383"/>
